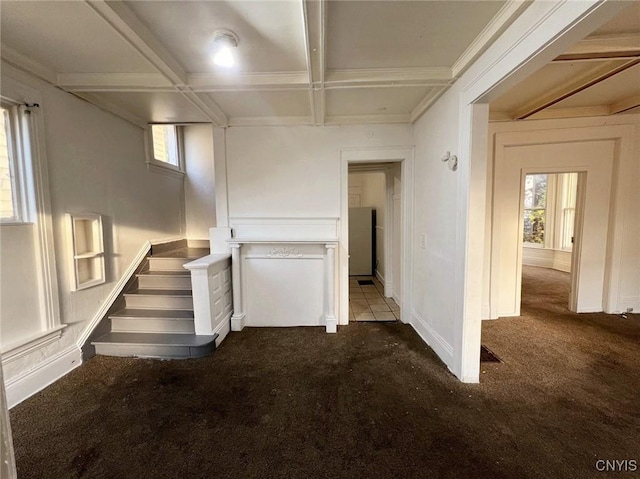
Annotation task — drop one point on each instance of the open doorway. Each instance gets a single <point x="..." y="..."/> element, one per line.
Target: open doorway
<point x="549" y="236"/>
<point x="374" y="226"/>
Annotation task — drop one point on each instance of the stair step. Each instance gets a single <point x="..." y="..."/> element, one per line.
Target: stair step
<point x="155" y="345"/>
<point x="159" y="299"/>
<point x="153" y="321"/>
<point x="164" y="280"/>
<point x="168" y="264"/>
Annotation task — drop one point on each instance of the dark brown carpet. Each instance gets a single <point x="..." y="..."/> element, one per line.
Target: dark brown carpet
<point x="370" y="402"/>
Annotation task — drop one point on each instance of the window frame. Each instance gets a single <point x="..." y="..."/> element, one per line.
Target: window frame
<point x="18" y="165"/>
<point x="547" y="210"/>
<point x="164" y="167"/>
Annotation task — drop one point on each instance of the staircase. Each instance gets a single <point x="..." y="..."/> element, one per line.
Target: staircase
<point x="157" y="320"/>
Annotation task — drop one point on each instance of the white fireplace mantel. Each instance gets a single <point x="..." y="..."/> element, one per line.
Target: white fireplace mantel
<point x="283" y="272"/>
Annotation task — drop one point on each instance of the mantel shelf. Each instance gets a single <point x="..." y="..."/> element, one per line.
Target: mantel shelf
<point x="283" y="240"/>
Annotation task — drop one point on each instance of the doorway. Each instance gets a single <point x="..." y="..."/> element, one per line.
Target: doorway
<point x="374" y="218"/>
<point x="402" y="158"/>
<point x="550" y="239"/>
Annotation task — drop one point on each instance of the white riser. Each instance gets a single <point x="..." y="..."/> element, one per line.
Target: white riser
<point x="152" y="325"/>
<point x="164" y="282"/>
<point x="168" y="264"/>
<point x="152" y="351"/>
<point x="142" y="301"/>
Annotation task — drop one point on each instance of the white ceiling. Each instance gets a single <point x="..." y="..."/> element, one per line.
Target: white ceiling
<point x="308" y="62"/>
<point x="600" y="75"/>
<point x="299" y="61"/>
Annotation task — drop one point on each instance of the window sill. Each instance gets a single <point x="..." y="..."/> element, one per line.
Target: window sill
<point x="28" y="345"/>
<point x="164" y="169"/>
<point x="15" y="223"/>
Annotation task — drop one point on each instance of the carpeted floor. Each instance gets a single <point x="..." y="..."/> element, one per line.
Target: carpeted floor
<point x="369" y="402"/>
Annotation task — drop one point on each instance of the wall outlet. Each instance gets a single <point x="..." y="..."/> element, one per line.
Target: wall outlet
<point x="423" y="241"/>
<point x="629" y="310"/>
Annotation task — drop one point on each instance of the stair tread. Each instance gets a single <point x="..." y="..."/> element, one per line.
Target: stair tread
<point x="162" y="339"/>
<point x="153" y="314"/>
<point x="183" y="253"/>
<point x="161" y="292"/>
<point x="172" y="273"/>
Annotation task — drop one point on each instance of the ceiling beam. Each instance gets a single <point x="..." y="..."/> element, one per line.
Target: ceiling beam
<point x="625" y="104"/>
<point x="314" y="22"/>
<point x="128" y="25"/>
<point x="25" y="63"/>
<point x="104" y="82"/>
<point x="201" y="82"/>
<point x="112" y="108"/>
<point x="590" y="78"/>
<point x="388" y="77"/>
<point x="603" y="47"/>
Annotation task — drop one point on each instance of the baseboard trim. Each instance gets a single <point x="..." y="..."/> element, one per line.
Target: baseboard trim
<point x="115" y="293"/>
<point x="223" y="329"/>
<point x="380" y="277"/>
<point x="36" y="379"/>
<point x="441" y="347"/>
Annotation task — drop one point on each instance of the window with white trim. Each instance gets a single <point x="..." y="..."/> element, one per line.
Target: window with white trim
<point x="535" y="209"/>
<point x="13" y="204"/>
<point x="165" y="149"/>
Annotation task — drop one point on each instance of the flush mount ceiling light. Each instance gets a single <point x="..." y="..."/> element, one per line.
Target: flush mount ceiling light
<point x="224" y="41"/>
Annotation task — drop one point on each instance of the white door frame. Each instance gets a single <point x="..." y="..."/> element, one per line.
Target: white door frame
<point x="577" y="230"/>
<point x="404" y="155"/>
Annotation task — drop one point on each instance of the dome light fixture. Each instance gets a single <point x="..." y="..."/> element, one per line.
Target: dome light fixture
<point x="223" y="43"/>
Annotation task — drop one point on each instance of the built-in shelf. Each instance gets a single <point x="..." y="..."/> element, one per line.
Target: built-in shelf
<point x="87" y="250"/>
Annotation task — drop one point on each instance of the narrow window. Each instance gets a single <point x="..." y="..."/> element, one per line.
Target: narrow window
<point x="165" y="144"/>
<point x="535" y="208"/>
<point x="11" y="202"/>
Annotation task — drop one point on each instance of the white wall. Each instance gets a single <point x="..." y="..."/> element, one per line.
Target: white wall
<point x="295" y="171"/>
<point x="374" y="194"/>
<point x="547" y="258"/>
<point x="394" y="179"/>
<point x="200" y="199"/>
<point x="96" y="163"/>
<point x="435" y="214"/>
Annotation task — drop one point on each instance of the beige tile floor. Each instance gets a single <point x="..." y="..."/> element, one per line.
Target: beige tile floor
<point x="367" y="303"/>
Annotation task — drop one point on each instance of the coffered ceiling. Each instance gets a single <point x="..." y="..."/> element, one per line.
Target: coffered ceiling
<point x="310" y="62"/>
<point x="307" y="62"/>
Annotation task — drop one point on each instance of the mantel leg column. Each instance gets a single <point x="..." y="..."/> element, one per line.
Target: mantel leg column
<point x="330" y="287"/>
<point x="237" y="319"/>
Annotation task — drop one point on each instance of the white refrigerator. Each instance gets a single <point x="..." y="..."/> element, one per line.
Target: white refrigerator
<point x="362" y="223"/>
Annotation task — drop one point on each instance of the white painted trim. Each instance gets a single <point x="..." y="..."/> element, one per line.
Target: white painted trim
<point x="430" y="336"/>
<point x="254" y="81"/>
<point x="166" y="169"/>
<point x="28" y="345"/>
<point x="110" y="107"/>
<point x="27" y="64"/>
<point x="223" y="329"/>
<point x="505" y="16"/>
<point x="115" y="292"/>
<point x="404" y="155"/>
<point x="105" y="82"/>
<point x="371" y="119"/>
<point x="42" y="375"/>
<point x="377" y="76"/>
<point x="270" y="120"/>
<point x="626" y="302"/>
<point x="379" y="276"/>
<point x="598" y="44"/>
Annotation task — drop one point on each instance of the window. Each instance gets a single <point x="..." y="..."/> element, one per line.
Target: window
<point x="165" y="150"/>
<point x="535" y="208"/>
<point x="12" y="203"/>
<point x="165" y="144"/>
<point x="569" y="183"/>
